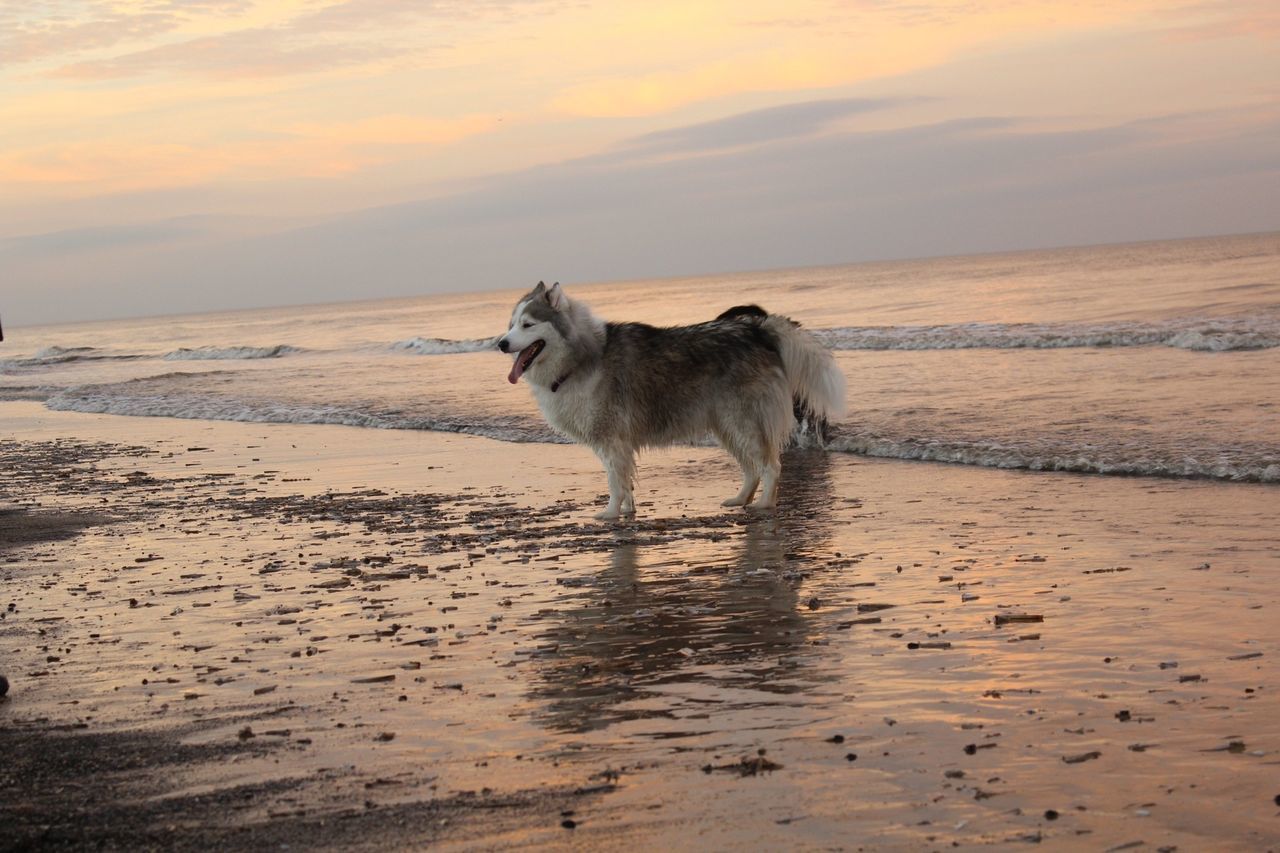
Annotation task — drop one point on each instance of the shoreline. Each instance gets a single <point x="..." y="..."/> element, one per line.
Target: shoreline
<point x="303" y="579"/>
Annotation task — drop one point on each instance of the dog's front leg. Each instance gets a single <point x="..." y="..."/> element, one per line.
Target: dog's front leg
<point x="620" y="467"/>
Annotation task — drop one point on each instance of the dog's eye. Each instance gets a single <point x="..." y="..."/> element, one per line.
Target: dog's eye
<point x="526" y="325"/>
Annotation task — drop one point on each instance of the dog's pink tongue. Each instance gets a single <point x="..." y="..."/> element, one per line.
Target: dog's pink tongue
<point x="517" y="369"/>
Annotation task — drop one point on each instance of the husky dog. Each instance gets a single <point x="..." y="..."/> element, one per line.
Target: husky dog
<point x="620" y="387"/>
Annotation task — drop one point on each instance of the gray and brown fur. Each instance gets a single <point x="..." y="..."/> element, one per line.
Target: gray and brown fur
<point x="621" y="387"/>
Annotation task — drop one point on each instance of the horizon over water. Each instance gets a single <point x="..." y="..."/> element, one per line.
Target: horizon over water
<point x="1158" y="358"/>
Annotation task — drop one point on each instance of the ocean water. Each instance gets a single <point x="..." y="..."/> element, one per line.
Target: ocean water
<point x="1154" y="359"/>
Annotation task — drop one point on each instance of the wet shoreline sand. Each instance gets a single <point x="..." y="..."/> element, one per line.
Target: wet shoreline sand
<point x="231" y="635"/>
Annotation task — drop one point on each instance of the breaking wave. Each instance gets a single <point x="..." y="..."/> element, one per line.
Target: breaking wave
<point x="55" y="355"/>
<point x="207" y="353"/>
<point x="142" y="399"/>
<point x="442" y="346"/>
<point x="1050" y="455"/>
<point x="36" y="393"/>
<point x="1223" y="334"/>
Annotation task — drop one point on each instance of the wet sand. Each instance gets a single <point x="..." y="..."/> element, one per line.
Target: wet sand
<point x="242" y="635"/>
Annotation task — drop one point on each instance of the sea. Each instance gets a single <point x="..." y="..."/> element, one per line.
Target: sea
<point x="1154" y="359"/>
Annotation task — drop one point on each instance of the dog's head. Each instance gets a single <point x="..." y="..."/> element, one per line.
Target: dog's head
<point x="535" y="323"/>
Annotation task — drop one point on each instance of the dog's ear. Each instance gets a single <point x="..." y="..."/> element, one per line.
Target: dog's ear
<point x="555" y="296"/>
<point x="539" y="290"/>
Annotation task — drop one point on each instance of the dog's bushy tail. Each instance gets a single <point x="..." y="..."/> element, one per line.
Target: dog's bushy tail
<point x="817" y="383"/>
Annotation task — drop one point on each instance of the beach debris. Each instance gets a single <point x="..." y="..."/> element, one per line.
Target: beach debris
<point x="335" y="583"/>
<point x="1050" y="814"/>
<point x="1017" y="618"/>
<point x="746" y="766"/>
<point x="836" y="739"/>
<point x="374" y="679"/>
<point x="1245" y="656"/>
<point x="866" y="620"/>
<point x="940" y="644"/>
<point x="1081" y="758"/>
<point x="1234" y="746"/>
<point x="972" y="748"/>
<point x="383" y="737"/>
<point x="872" y="608"/>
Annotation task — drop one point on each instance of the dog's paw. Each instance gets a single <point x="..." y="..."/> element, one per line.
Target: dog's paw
<point x="763" y="506"/>
<point x="608" y="515"/>
<point x="735" y="501"/>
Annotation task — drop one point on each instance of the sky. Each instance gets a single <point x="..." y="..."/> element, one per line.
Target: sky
<point x="165" y="156"/>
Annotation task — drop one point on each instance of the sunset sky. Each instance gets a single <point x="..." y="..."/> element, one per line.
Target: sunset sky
<point x="161" y="157"/>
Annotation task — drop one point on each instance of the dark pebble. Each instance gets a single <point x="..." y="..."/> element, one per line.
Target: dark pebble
<point x="971" y="749"/>
<point x="1051" y="814"/>
<point x="836" y="739"/>
<point x="568" y="823"/>
<point x="852" y="756"/>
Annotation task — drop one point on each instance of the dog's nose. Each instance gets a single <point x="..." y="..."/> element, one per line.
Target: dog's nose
<point x="503" y="345"/>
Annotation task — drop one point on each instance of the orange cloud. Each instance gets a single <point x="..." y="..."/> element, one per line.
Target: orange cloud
<point x="309" y="150"/>
<point x="397" y="130"/>
<point x="779" y="71"/>
<point x="756" y="52"/>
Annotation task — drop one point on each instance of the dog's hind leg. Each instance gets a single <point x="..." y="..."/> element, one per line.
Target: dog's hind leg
<point x="750" y="480"/>
<point x="750" y="469"/>
<point x="775" y="426"/>
<point x="769" y="482"/>
<point x="620" y="466"/>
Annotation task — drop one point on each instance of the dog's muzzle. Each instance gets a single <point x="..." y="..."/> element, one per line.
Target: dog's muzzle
<point x="503" y="345"/>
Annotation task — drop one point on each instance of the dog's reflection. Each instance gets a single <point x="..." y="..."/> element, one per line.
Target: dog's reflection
<point x="662" y="620"/>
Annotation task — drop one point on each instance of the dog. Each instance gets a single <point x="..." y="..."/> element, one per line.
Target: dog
<point x="622" y="387"/>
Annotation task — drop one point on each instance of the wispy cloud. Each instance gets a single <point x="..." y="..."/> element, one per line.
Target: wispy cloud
<point x="106" y="237"/>
<point x="758" y="126"/>
<point x="324" y="39"/>
<point x="1217" y="19"/>
<point x="301" y="149"/>
<point x="262" y="52"/>
<point x="27" y="37"/>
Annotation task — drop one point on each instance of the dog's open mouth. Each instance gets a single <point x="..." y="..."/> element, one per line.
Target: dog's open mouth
<point x="524" y="359"/>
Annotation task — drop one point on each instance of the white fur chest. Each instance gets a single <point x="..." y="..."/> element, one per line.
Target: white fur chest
<point x="570" y="408"/>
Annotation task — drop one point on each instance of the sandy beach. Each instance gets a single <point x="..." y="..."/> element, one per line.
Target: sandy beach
<point x="225" y="635"/>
